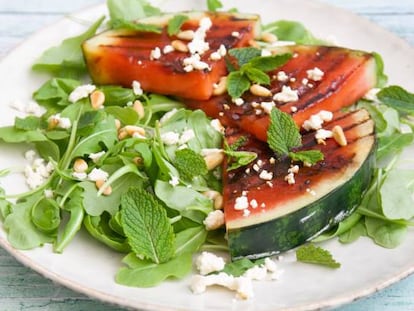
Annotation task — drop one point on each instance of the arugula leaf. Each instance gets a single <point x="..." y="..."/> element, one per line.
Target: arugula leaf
<point x="190" y="240"/>
<point x="130" y="9"/>
<point x="29" y="123"/>
<point x="239" y="267"/>
<point x="384" y="233"/>
<point x="286" y="30"/>
<point x="125" y="24"/>
<point x="55" y="92"/>
<point x="354" y="233"/>
<point x="10" y="134"/>
<point x="144" y="273"/>
<point x="146" y="226"/>
<point x="68" y="55"/>
<point x="175" y="23"/>
<point x="393" y="144"/>
<point x="283" y="133"/>
<point x="310" y="253"/>
<point x="189" y="164"/>
<point x="214" y="5"/>
<point x="382" y="78"/>
<point x="307" y="156"/>
<point x="398" y="98"/>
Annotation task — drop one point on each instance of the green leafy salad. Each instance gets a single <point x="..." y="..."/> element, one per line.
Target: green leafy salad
<point x="131" y="168"/>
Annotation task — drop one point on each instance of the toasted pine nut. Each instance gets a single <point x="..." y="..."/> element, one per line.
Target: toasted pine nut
<point x="259" y="90"/>
<point x="218" y="202"/>
<point x="139" y="108"/>
<point x="80" y="165"/>
<point x="97" y="99"/>
<point x="216" y="197"/>
<point x="179" y="46"/>
<point x="122" y="134"/>
<point x="53" y="123"/>
<point x="269" y="37"/>
<point x="253" y="43"/>
<point x="99" y="183"/>
<point x="220" y="87"/>
<point x="138" y="160"/>
<point x="187" y="35"/>
<point x="213" y="160"/>
<point x="132" y="129"/>
<point x="339" y="135"/>
<point x="117" y="124"/>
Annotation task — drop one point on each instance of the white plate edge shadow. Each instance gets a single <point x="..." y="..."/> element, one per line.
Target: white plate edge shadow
<point x="103" y="296"/>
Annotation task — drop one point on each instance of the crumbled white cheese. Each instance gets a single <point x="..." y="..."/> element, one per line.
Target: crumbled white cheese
<point x="82" y="91"/>
<point x="238" y="101"/>
<point x="323" y="134"/>
<point x="63" y="123"/>
<point x="170" y="138"/>
<point x="37" y="171"/>
<point x="286" y="95"/>
<point x="96" y="156"/>
<point x="265" y="175"/>
<point x="33" y="108"/>
<point x="267" y="106"/>
<point x="265" y="53"/>
<point x="242" y="285"/>
<point x="79" y="176"/>
<point x="282" y="76"/>
<point x="168" y="49"/>
<point x="136" y="88"/>
<point x="216" y="124"/>
<point x="48" y="193"/>
<point x="194" y="62"/>
<point x="186" y="136"/>
<point x="214" y="220"/>
<point x="198" y="45"/>
<point x="174" y="181"/>
<point x="325" y="115"/>
<point x="253" y="203"/>
<point x="207" y="263"/>
<point x="270" y="265"/>
<point x="258" y="273"/>
<point x="241" y="203"/>
<point x="305" y="81"/>
<point x="372" y="94"/>
<point x="293" y="109"/>
<point x="30" y="155"/>
<point x="290" y="178"/>
<point x="294" y="169"/>
<point x="315" y="74"/>
<point x="235" y="34"/>
<point x="98" y="174"/>
<point x="155" y="53"/>
<point x="316" y="120"/>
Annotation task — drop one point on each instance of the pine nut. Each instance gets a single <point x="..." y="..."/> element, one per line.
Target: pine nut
<point x="214" y="159"/>
<point x="269" y="37"/>
<point x="187" y="35"/>
<point x="99" y="183"/>
<point x="221" y="87"/>
<point x="117" y="124"/>
<point x="122" y="134"/>
<point x="138" y="160"/>
<point x="139" y="108"/>
<point x="80" y="166"/>
<point x="97" y="99"/>
<point x="179" y="46"/>
<point x="132" y="129"/>
<point x="216" y="197"/>
<point x="218" y="202"/>
<point x="339" y="135"/>
<point x="259" y="90"/>
<point x="53" y="123"/>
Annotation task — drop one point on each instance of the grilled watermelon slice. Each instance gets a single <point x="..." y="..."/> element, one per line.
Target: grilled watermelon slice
<point x="280" y="216"/>
<point x="348" y="75"/>
<point x="121" y="56"/>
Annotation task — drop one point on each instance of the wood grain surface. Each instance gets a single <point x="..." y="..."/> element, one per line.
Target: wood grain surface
<point x="23" y="289"/>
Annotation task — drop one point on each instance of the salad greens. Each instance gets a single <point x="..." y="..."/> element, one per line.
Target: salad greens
<point x="143" y="190"/>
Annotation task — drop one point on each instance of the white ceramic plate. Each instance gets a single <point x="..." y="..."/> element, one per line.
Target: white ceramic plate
<point x="89" y="268"/>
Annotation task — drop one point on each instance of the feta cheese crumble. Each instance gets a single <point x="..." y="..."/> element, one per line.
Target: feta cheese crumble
<point x="214" y="220"/>
<point x="170" y="138"/>
<point x="136" y="88"/>
<point x="315" y="74"/>
<point x="241" y="203"/>
<point x="207" y="263"/>
<point x="36" y="171"/>
<point x="58" y="121"/>
<point x="98" y="174"/>
<point x="286" y="95"/>
<point x="316" y="120"/>
<point x="80" y="92"/>
<point x="96" y="156"/>
<point x="155" y="53"/>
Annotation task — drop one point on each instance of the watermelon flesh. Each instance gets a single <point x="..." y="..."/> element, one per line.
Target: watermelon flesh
<point x="348" y="75"/>
<point x="121" y="56"/>
<point x="281" y="216"/>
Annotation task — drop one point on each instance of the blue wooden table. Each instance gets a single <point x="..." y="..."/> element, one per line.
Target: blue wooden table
<point x="23" y="289"/>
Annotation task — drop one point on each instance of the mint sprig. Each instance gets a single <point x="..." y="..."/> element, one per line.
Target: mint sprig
<point x="189" y="164"/>
<point x="146" y="226"/>
<point x="175" y="23"/>
<point x="283" y="135"/>
<point x="214" y="5"/>
<point x="310" y="253"/>
<point x="251" y="68"/>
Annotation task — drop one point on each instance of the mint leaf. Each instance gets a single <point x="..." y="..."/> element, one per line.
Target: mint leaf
<point x="309" y="253"/>
<point x="55" y="92"/>
<point x="398" y="98"/>
<point x="269" y="63"/>
<point x="283" y="134"/>
<point x="214" y="5"/>
<point x="175" y="23"/>
<point x="29" y="123"/>
<point x="189" y="164"/>
<point x="237" y="84"/>
<point x="244" y="55"/>
<point x="239" y="267"/>
<point x="68" y="55"/>
<point x="307" y="156"/>
<point x="255" y="75"/>
<point x="130" y="9"/>
<point x="292" y="31"/>
<point x="146" y="226"/>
